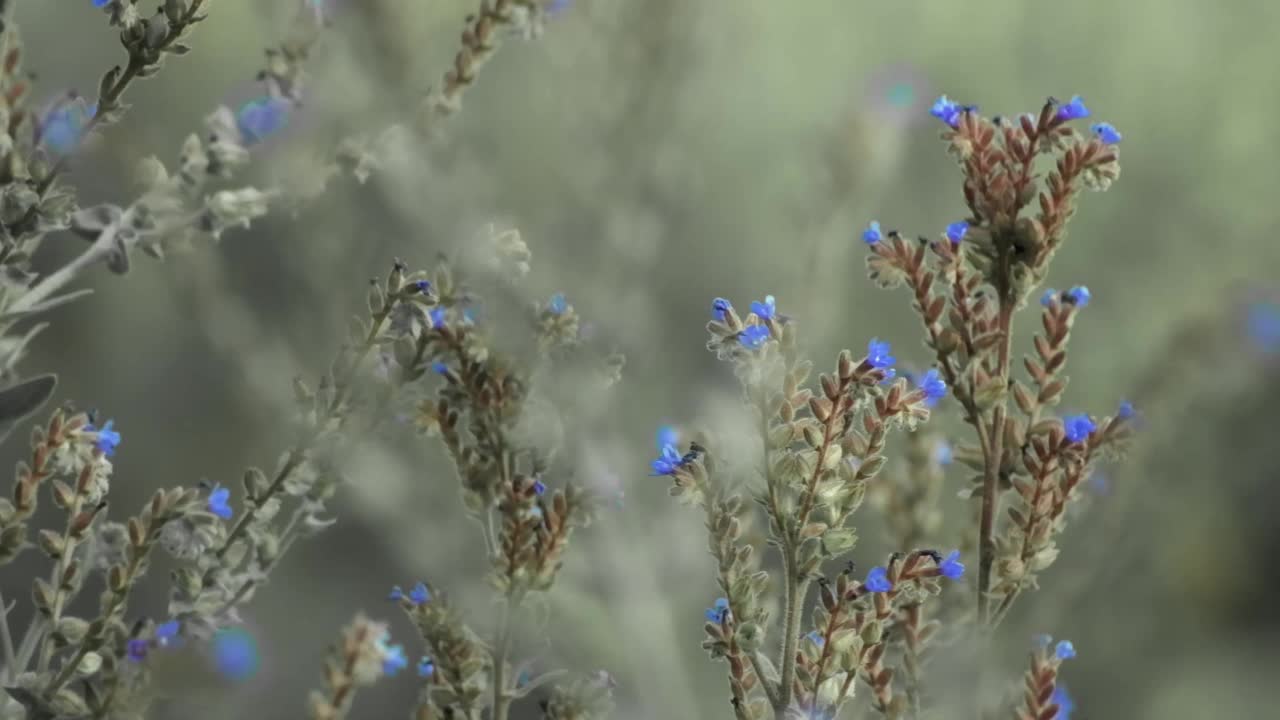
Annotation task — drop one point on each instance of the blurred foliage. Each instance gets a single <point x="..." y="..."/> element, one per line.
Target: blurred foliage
<point x="654" y="155"/>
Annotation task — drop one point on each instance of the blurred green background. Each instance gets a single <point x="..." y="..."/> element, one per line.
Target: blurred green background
<point x="655" y="154"/>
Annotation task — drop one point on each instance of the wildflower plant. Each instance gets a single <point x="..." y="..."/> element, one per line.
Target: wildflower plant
<point x="822" y="449"/>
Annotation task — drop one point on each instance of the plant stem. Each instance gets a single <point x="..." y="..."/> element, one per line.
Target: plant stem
<point x="994" y="451"/>
<point x="795" y="591"/>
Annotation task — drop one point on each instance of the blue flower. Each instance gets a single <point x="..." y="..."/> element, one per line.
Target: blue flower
<point x="1064" y="650"/>
<point x="668" y="462"/>
<point x="1264" y="326"/>
<point x="167" y="632"/>
<point x="753" y="337"/>
<point x="440" y="368"/>
<point x="816" y="638"/>
<point x="558" y="304"/>
<point x="438" y="317"/>
<point x="426" y="668"/>
<point x="878" y="580"/>
<point x="423" y="286"/>
<point x="667" y="435"/>
<point x="717" y="612"/>
<point x="1064" y="702"/>
<point x="872" y="235"/>
<point x="1079" y="295"/>
<point x="951" y="567"/>
<point x="1078" y="427"/>
<point x="137" y="649"/>
<point x="767" y="309"/>
<point x="396" y="594"/>
<point x="935" y="388"/>
<point x="419" y="594"/>
<point x="100" y="3"/>
<point x="108" y="439"/>
<point x="956" y="231"/>
<point x="1048" y="298"/>
<point x="62" y="129"/>
<point x="1105" y="132"/>
<point x="235" y="653"/>
<point x="219" y="502"/>
<point x="943" y="454"/>
<point x="393" y="658"/>
<point x="949" y="111"/>
<point x="878" y="355"/>
<point x="261" y="117"/>
<point x="1125" y="411"/>
<point x="719" y="307"/>
<point x="1073" y="110"/>
<point x="539" y="487"/>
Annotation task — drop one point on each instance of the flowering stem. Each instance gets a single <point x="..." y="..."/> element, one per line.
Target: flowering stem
<point x="994" y="459"/>
<point x="6" y="638"/>
<point x="501" y="698"/>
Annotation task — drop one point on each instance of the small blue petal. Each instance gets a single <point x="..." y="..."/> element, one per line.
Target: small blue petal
<point x="558" y="304"/>
<point x="1125" y="411"/>
<point x="419" y="594"/>
<point x="1078" y="427"/>
<point x="878" y="355"/>
<point x="1064" y="650"/>
<point x="1079" y="295"/>
<point x="754" y="337"/>
<point x="956" y="231"/>
<point x="235" y="653"/>
<point x="719" y="307"/>
<point x="951" y="566"/>
<point x="878" y="580"/>
<point x="1106" y="133"/>
<point x="872" y="235"/>
<point x="1049" y="297"/>
<point x="1074" y="110"/>
<point x="219" y="503"/>
<point x="426" y="668"/>
<point x="668" y="435"/>
<point x="935" y="388"/>
<point x="437" y="316"/>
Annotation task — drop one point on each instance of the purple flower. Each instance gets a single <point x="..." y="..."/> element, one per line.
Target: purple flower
<point x="754" y="336"/>
<point x="219" y="502"/>
<point x="872" y="235"/>
<point x="951" y="567"/>
<point x="878" y="580"/>
<point x="1078" y="427"/>
<point x="1073" y="110"/>
<point x="137" y="649"/>
<point x="878" y="355"/>
<point x="765" y="310"/>
<point x="956" y="231"/>
<point x="717" y="612"/>
<point x="719" y="307"/>
<point x="539" y="487"/>
<point x="1079" y="296"/>
<point x="935" y="388"/>
<point x="1105" y="132"/>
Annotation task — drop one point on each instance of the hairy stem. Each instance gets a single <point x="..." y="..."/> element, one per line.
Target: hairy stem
<point x="994" y="459"/>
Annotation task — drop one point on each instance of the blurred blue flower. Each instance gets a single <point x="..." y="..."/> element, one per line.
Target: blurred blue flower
<point x="1064" y="650"/>
<point x="396" y="594"/>
<point x="261" y="117"/>
<point x="878" y="580"/>
<point x="426" y="667"/>
<point x="558" y="304"/>
<point x="423" y="286"/>
<point x="1049" y="297"/>
<point x="1073" y="110"/>
<point x="63" y="128"/>
<point x="816" y="638"/>
<point x="765" y="310"/>
<point x="1125" y="411"/>
<point x="878" y="354"/>
<point x="935" y="388"/>
<point x="1105" y="132"/>
<point x="136" y="649"/>
<point x="419" y="594"/>
<point x="716" y="613"/>
<point x="943" y="454"/>
<point x="668" y="435"/>
<point x="719" y="307"/>
<point x="440" y="368"/>
<point x="393" y="658"/>
<point x="1064" y="702"/>
<point x="1264" y="326"/>
<point x="956" y="231"/>
<point x="753" y="337"/>
<point x="539" y="487"/>
<point x="1078" y="427"/>
<point x="437" y="316"/>
<point x="1079" y="296"/>
<point x="872" y="235"/>
<point x="100" y="3"/>
<point x="951" y="566"/>
<point x="235" y="653"/>
<point x="219" y="502"/>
